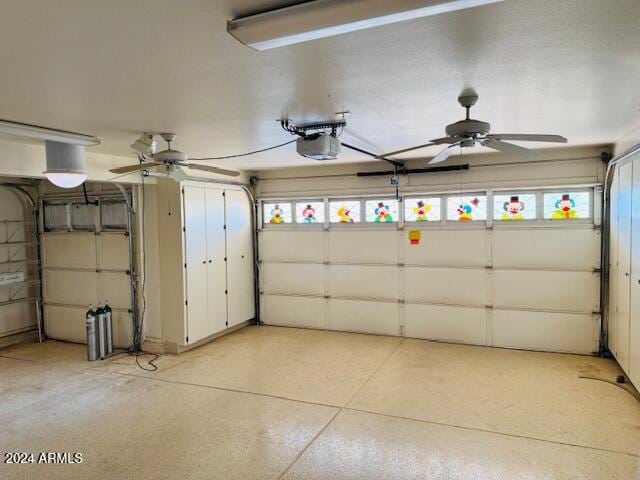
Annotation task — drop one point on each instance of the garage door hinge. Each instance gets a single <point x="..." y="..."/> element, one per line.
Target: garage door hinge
<point x="184" y="229"/>
<point x="185" y="265"/>
<point x="226" y="292"/>
<point x="596" y="270"/>
<point x="224" y="227"/>
<point x="187" y="339"/>
<point x="186" y="302"/>
<point x="225" y="259"/>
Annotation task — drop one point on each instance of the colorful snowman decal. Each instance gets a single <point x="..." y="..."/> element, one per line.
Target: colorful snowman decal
<point x="565" y="209"/>
<point x="276" y="215"/>
<point x="513" y="209"/>
<point x="309" y="214"/>
<point x="421" y="211"/>
<point x="344" y="214"/>
<point x="382" y="213"/>
<point x="465" y="210"/>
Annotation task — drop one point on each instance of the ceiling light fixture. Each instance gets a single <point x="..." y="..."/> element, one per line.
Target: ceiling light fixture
<point x="66" y="164"/>
<point x="325" y="18"/>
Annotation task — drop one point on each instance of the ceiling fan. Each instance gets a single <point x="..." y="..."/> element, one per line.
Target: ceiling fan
<point x="468" y="132"/>
<point x="172" y="159"/>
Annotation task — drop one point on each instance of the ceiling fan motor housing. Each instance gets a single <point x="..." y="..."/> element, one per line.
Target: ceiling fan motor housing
<point x="468" y="128"/>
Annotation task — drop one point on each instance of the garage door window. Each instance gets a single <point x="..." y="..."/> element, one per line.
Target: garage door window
<point x="514" y="207"/>
<point x="276" y="213"/>
<point x="382" y="211"/>
<point x="567" y="205"/>
<point x="309" y="212"/>
<point x="344" y="211"/>
<point x="466" y="208"/>
<point x="422" y="209"/>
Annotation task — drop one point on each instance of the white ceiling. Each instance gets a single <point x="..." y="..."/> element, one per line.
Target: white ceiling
<point x="116" y="68"/>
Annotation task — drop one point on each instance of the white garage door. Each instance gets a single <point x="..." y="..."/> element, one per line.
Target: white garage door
<point x="513" y="269"/>
<point x="85" y="250"/>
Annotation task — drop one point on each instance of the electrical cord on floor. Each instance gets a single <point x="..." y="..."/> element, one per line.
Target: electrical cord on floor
<point x="154" y="367"/>
<point x="624" y="386"/>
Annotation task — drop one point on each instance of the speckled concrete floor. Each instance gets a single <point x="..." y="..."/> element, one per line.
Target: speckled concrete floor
<point x="268" y="402"/>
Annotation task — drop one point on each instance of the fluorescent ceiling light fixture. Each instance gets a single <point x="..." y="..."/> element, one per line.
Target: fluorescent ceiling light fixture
<point x="325" y="18"/>
<point x="66" y="165"/>
<point x="43" y="133"/>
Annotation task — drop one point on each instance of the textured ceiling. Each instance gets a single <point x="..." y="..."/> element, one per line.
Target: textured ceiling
<point x="116" y="68"/>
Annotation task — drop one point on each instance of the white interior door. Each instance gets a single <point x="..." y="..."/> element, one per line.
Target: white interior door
<point x="624" y="264"/>
<point x="634" y="330"/>
<point x="240" y="298"/>
<point x="195" y="243"/>
<point x="216" y="267"/>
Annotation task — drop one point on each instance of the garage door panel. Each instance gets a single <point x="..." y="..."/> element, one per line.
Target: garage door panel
<point x="547" y="248"/>
<point x="68" y="287"/>
<point x="363" y="246"/>
<point x="446" y="247"/>
<point x="558" y="332"/>
<point x="446" y="323"/>
<point x="17" y="317"/>
<point x="293" y="278"/>
<point x="455" y="286"/>
<point x="291" y="246"/>
<point x="364" y="316"/>
<point x="293" y="311"/>
<point x="546" y="290"/>
<point x="364" y="281"/>
<point x="116" y="289"/>
<point x="69" y="250"/>
<point x="68" y="323"/>
<point x="114" y="251"/>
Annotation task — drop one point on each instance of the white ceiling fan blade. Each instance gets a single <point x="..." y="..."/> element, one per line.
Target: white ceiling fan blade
<point x="443" y="155"/>
<point x="509" y="148"/>
<point x="133" y="168"/>
<point x="528" y="137"/>
<point x="437" y="141"/>
<point x="210" y="169"/>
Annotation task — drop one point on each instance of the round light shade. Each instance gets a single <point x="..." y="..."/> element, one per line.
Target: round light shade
<point x="66" y="166"/>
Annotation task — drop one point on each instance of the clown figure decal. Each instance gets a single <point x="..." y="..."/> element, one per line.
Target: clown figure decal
<point x="382" y="213"/>
<point x="276" y="215"/>
<point x="466" y="208"/>
<point x="421" y="211"/>
<point x="513" y="209"/>
<point x="565" y="209"/>
<point x="344" y="214"/>
<point x="309" y="214"/>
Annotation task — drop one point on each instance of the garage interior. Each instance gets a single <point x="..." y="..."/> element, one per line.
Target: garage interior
<point x="319" y="257"/>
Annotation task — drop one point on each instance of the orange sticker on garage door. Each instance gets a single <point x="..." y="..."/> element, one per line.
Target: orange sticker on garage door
<point x="414" y="237"/>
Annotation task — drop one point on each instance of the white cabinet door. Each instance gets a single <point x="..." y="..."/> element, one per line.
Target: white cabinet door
<point x="216" y="266"/>
<point x="240" y="298"/>
<point x="624" y="265"/>
<point x="634" y="331"/>
<point x="195" y="244"/>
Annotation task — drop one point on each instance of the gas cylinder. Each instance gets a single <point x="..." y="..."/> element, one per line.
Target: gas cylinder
<point x="102" y="337"/>
<point x="92" y="346"/>
<point x="108" y="328"/>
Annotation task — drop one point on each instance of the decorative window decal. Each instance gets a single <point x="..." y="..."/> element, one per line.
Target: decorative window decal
<point x="309" y="212"/>
<point x="344" y="211"/>
<point x="514" y="207"/>
<point x="381" y="211"/>
<point x="425" y="209"/>
<point x="467" y="208"/>
<point x="276" y="213"/>
<point x="567" y="205"/>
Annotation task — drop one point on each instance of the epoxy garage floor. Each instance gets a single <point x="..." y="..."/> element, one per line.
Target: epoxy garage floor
<point x="269" y="402"/>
